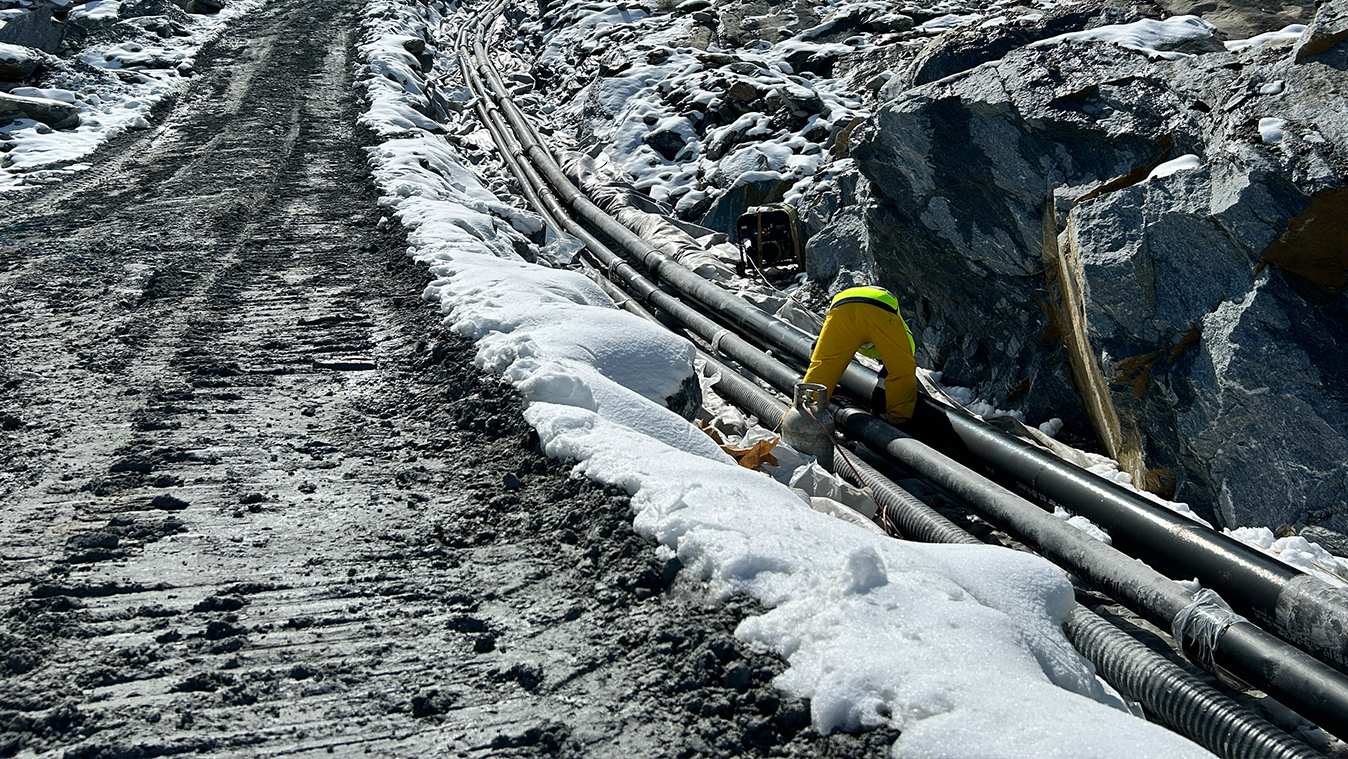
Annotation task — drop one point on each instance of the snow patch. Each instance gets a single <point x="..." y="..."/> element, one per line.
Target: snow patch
<point x="1187" y="162"/>
<point x="1286" y="34"/>
<point x="1157" y="39"/>
<point x="1271" y="130"/>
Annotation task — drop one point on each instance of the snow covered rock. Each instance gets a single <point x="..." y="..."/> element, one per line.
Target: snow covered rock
<point x="96" y="14"/>
<point x="1241" y="19"/>
<point x="1201" y="198"/>
<point x="962" y="49"/>
<point x="17" y="62"/>
<point x="54" y="113"/>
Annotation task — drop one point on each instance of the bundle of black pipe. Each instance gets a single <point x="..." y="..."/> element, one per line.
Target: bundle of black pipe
<point x="1318" y="692"/>
<point x="766" y="327"/>
<point x="1296" y="607"/>
<point x="1175" y="697"/>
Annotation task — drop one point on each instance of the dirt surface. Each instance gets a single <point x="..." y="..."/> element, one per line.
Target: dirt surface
<point x="256" y="502"/>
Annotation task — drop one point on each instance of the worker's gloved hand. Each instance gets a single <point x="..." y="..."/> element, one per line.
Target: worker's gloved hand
<point x="878" y="406"/>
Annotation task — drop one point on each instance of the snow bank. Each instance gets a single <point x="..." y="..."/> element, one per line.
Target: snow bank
<point x="875" y="631"/>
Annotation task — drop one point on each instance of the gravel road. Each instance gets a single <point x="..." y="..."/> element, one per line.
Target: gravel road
<point x="257" y="502"/>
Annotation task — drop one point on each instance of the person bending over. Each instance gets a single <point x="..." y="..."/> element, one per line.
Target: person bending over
<point x="859" y="316"/>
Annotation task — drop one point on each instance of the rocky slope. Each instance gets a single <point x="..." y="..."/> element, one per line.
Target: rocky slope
<point x="1091" y="211"/>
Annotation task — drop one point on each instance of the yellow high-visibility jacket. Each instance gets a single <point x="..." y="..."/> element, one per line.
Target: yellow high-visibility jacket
<point x="861" y="315"/>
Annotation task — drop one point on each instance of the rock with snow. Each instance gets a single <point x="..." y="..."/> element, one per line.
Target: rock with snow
<point x="96" y="14"/>
<point x="33" y="28"/>
<point x="163" y="27"/>
<point x="18" y="63"/>
<point x="1241" y="19"/>
<point x="1201" y="197"/>
<point x="962" y="49"/>
<point x="54" y="113"/>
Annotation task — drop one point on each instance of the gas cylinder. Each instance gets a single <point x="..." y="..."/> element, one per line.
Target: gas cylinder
<point x="807" y="426"/>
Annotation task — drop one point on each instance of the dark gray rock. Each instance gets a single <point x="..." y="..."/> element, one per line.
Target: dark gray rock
<point x="1261" y="407"/>
<point x="35" y="29"/>
<point x="687" y="401"/>
<point x="1326" y="32"/>
<point x="833" y="222"/>
<point x="668" y="142"/>
<point x="18" y="63"/>
<point x="723" y="212"/>
<point x="961" y="50"/>
<point x="1211" y="297"/>
<point x="53" y="113"/>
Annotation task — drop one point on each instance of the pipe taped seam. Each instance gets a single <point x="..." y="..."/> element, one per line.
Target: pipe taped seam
<point x="716" y="340"/>
<point x="1313" y="613"/>
<point x="1198" y="628"/>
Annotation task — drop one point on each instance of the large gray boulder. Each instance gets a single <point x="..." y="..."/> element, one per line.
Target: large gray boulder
<point x="34" y="28"/>
<point x="53" y="113"/>
<point x="1201" y="266"/>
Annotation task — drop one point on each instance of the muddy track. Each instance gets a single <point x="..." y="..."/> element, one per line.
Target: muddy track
<point x="256" y="501"/>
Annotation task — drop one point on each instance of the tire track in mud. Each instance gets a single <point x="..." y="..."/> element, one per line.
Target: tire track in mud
<point x="256" y="501"/>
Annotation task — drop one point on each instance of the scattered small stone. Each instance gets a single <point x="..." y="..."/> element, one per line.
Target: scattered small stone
<point x="511" y="481"/>
<point x="168" y="503"/>
<point x="133" y="464"/>
<point x="485" y="644"/>
<point x="307" y="487"/>
<point x="738" y="676"/>
<point x="91" y="540"/>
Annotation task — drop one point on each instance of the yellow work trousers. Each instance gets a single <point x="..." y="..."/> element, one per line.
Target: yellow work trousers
<point x="851" y="325"/>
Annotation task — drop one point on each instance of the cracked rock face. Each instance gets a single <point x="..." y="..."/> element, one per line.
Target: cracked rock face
<point x="1201" y="203"/>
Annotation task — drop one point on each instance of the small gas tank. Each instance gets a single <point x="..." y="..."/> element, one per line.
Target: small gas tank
<point x="769" y="238"/>
<point x="807" y="425"/>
